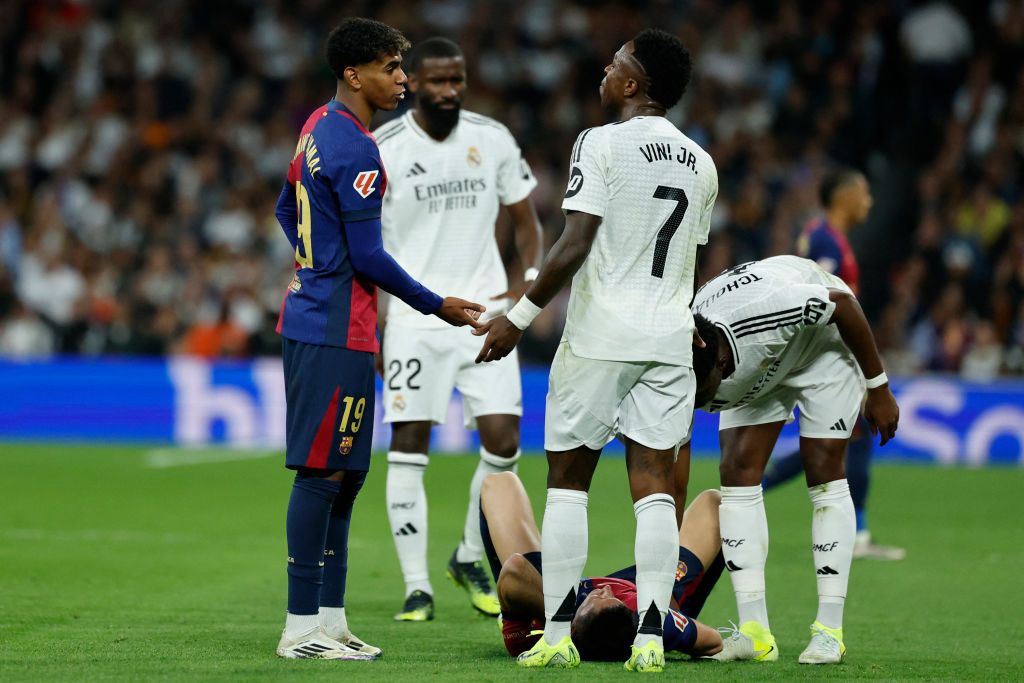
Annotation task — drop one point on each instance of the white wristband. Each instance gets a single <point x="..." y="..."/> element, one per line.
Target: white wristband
<point x="523" y="313"/>
<point x="531" y="274"/>
<point x="878" y="381"/>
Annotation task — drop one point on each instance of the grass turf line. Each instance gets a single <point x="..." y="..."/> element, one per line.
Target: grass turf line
<point x="112" y="569"/>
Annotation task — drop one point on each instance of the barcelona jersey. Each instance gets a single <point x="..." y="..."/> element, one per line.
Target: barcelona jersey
<point x="830" y="249"/>
<point x="337" y="178"/>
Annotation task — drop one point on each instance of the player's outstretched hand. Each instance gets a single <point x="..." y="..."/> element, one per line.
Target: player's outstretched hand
<point x="502" y="337"/>
<point x="882" y="413"/>
<point x="459" y="312"/>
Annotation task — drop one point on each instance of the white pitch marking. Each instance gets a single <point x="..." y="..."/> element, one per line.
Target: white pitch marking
<point x="161" y="458"/>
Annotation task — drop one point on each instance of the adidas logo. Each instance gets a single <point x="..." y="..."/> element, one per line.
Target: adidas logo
<point x="416" y="169"/>
<point x="732" y="566"/>
<point x="839" y="426"/>
<point x="312" y="650"/>
<point x="407" y="530"/>
<point x="827" y="571"/>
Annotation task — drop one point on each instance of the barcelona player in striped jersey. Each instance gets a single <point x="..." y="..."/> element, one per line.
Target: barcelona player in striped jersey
<point x="330" y="210"/>
<point x="846" y="198"/>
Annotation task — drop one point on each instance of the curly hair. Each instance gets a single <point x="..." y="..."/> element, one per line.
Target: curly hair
<point x="705" y="359"/>
<point x="358" y="41"/>
<point x="667" y="63"/>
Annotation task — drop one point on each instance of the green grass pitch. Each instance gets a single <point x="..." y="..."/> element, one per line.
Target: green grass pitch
<point x="111" y="568"/>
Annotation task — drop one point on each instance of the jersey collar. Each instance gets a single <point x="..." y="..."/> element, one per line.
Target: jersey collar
<point x="338" y="107"/>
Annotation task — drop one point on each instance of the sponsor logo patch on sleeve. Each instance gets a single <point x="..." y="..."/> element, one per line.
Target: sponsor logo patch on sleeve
<point x="364" y="182"/>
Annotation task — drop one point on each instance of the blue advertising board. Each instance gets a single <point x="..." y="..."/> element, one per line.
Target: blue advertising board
<point x="192" y="402"/>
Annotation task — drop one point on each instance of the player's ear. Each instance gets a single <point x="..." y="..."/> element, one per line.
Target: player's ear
<point x="351" y="77"/>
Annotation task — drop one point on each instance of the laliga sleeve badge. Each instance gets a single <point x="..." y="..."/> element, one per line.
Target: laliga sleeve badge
<point x="364" y="181"/>
<point x="345" y="447"/>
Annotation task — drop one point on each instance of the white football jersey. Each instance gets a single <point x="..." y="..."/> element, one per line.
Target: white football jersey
<point x="774" y="315"/>
<point x="655" y="189"/>
<point x="441" y="204"/>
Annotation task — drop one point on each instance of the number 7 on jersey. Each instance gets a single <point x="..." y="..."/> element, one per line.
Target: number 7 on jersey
<point x="675" y="194"/>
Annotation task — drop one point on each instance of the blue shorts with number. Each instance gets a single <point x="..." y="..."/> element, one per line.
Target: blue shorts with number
<point x="330" y="394"/>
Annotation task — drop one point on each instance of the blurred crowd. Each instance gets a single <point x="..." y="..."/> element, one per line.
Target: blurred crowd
<point x="143" y="145"/>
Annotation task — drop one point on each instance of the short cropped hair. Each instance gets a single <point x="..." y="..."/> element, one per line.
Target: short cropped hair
<point x="432" y="48"/>
<point x="833" y="181"/>
<point x="704" y="360"/>
<point x="605" y="635"/>
<point x="667" y="63"/>
<point x="358" y="41"/>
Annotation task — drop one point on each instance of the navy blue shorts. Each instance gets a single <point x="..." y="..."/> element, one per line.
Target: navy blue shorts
<point x="330" y="393"/>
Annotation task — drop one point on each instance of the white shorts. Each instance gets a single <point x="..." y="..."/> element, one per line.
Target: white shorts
<point x="422" y="366"/>
<point x="590" y="402"/>
<point x="829" y="393"/>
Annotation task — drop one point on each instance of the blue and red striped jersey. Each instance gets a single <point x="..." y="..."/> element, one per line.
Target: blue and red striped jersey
<point x="337" y="178"/>
<point x="830" y="249"/>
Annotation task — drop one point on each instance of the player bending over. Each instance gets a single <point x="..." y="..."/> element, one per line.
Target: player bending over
<point x="605" y="616"/>
<point x="638" y="204"/>
<point x="330" y="211"/>
<point x="450" y="171"/>
<point x="784" y="334"/>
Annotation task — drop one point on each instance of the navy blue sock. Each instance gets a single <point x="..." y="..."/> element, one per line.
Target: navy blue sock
<point x="782" y="470"/>
<point x="308" y="510"/>
<point x="858" y="474"/>
<point x="332" y="594"/>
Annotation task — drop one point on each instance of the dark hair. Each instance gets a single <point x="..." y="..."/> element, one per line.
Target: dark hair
<point x="605" y="635"/>
<point x="432" y="48"/>
<point x="833" y="181"/>
<point x="666" y="62"/>
<point x="704" y="360"/>
<point x="359" y="41"/>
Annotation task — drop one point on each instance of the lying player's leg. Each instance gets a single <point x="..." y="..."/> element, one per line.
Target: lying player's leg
<point x="499" y="453"/>
<point x="747" y="437"/>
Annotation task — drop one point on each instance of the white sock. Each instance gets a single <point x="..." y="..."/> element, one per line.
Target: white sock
<point x="563" y="542"/>
<point x="333" y="620"/>
<point x="744" y="527"/>
<point x="657" y="551"/>
<point x="471" y="548"/>
<point x="298" y="625"/>
<point x="833" y="532"/>
<point x="407" y="512"/>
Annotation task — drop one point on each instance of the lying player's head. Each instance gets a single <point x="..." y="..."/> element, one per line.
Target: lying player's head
<point x="437" y="76"/>
<point x="366" y="56"/>
<point x="603" y="627"/>
<point x="654" y="65"/>
<point x="707" y="362"/>
<point x="846" y="190"/>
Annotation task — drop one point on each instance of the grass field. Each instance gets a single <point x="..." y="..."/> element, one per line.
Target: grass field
<point x="115" y="565"/>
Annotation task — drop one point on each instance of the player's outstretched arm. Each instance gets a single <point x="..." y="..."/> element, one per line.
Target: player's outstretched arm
<point x="366" y="248"/>
<point x="880" y="409"/>
<point x="565" y="258"/>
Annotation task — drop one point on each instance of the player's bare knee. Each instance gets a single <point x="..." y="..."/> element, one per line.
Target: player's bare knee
<point x="709" y="499"/>
<point x="495" y="484"/>
<point x="410" y="437"/>
<point x="737" y="474"/>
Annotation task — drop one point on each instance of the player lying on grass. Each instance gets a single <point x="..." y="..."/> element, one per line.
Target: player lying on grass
<point x="605" y="618"/>
<point x="782" y="333"/>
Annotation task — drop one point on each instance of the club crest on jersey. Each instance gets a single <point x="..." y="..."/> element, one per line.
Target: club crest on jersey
<point x="681" y="570"/>
<point x="345" y="447"/>
<point x="363" y="183"/>
<point x="679" y="620"/>
<point x="473" y="157"/>
<point x="398" y="405"/>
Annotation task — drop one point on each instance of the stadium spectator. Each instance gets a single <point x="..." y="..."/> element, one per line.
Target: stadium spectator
<point x="129" y="128"/>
